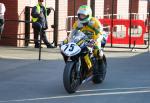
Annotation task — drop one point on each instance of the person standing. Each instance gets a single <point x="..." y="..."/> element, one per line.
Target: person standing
<point x="2" y="20"/>
<point x="39" y="18"/>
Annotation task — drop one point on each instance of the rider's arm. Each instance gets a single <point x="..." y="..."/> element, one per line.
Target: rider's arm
<point x="97" y="27"/>
<point x="102" y="34"/>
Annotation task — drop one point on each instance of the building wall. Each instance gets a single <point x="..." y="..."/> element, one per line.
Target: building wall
<point x="62" y="19"/>
<point x="14" y="30"/>
<point x="99" y="7"/>
<point x="77" y="4"/>
<point x="15" y="11"/>
<point x="142" y="10"/>
<point x="10" y="31"/>
<point x="108" y="7"/>
<point x="133" y="7"/>
<point x="21" y="25"/>
<point x="123" y="9"/>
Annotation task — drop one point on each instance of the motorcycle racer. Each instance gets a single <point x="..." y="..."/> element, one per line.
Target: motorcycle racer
<point x="91" y="27"/>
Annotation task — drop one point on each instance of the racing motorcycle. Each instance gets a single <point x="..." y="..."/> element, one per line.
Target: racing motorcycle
<point x="80" y="64"/>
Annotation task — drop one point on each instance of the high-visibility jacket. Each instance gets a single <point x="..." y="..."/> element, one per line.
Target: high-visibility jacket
<point x="38" y="9"/>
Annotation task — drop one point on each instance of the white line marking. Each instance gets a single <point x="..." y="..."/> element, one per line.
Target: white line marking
<point x="80" y="95"/>
<point x="95" y="90"/>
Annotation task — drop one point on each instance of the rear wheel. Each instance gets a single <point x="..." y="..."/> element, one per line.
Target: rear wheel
<point x="70" y="79"/>
<point x="99" y="70"/>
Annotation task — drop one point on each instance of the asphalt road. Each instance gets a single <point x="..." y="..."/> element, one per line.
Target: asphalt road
<point x="24" y="79"/>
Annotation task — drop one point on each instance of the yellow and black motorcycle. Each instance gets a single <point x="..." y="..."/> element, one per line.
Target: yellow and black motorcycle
<point x="81" y="66"/>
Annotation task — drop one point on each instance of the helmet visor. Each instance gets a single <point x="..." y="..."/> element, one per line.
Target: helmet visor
<point x="82" y="17"/>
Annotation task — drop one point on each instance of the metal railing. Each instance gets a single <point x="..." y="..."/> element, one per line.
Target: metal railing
<point x="132" y="30"/>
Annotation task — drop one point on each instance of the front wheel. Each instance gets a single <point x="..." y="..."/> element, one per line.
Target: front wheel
<point x="99" y="70"/>
<point x="70" y="77"/>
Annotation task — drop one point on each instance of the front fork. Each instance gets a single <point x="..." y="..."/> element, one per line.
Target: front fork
<point x="78" y="64"/>
<point x="78" y="68"/>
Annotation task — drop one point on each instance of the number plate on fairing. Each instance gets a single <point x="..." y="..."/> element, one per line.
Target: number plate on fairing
<point x="70" y="49"/>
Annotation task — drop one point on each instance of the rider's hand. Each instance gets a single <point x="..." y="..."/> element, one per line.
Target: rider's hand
<point x="90" y="42"/>
<point x="65" y="41"/>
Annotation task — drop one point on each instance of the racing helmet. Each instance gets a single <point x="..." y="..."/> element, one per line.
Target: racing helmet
<point x="84" y="10"/>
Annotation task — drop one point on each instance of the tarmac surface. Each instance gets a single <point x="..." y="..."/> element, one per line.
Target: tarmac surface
<point x="25" y="79"/>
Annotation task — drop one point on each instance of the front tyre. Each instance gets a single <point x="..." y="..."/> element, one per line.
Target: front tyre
<point x="70" y="79"/>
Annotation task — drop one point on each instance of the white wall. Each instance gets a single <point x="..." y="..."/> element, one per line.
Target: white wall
<point x="122" y="13"/>
<point x="99" y="7"/>
<point x="123" y="8"/>
<point x="63" y="11"/>
<point x="142" y="9"/>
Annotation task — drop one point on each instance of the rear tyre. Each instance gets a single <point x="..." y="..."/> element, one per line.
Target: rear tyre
<point x="99" y="70"/>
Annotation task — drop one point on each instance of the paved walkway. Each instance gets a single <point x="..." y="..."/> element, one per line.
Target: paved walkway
<point x="29" y="53"/>
<point x="54" y="53"/>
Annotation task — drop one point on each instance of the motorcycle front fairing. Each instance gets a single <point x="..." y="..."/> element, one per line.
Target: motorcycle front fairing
<point x="74" y="45"/>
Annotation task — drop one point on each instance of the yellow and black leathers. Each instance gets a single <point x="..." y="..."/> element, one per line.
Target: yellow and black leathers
<point x="93" y="29"/>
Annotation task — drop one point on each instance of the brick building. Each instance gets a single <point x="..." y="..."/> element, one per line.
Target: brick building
<point x="15" y="11"/>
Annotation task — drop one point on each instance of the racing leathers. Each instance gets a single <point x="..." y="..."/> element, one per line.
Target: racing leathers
<point x="93" y="29"/>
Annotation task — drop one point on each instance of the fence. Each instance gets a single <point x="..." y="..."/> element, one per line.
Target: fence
<point x="24" y="34"/>
<point x="123" y="33"/>
<point x="54" y="27"/>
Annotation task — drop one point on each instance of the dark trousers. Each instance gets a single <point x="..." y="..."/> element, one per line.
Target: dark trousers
<point x="37" y="29"/>
<point x="1" y="25"/>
